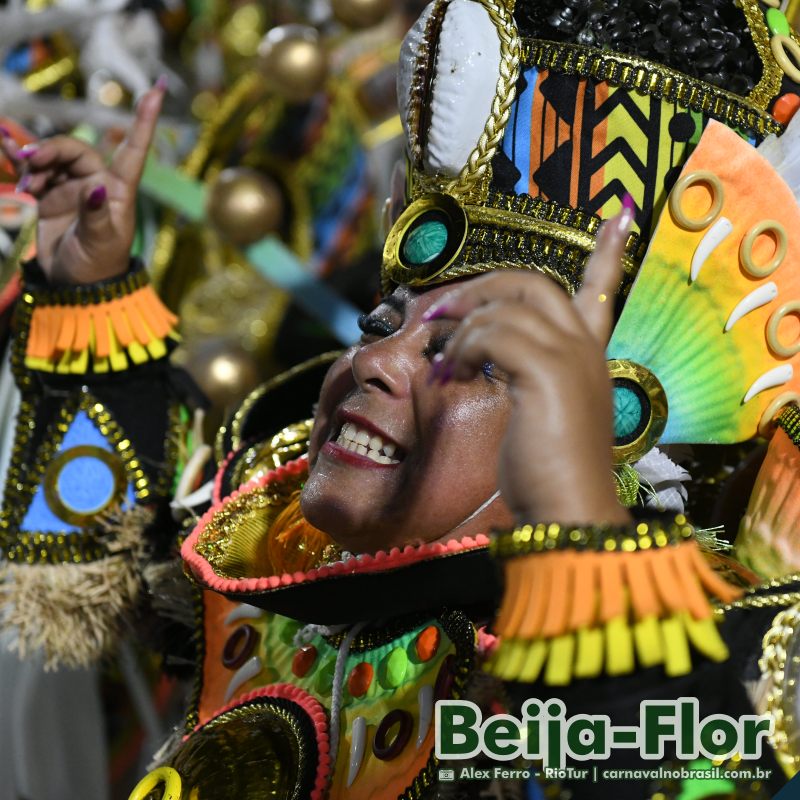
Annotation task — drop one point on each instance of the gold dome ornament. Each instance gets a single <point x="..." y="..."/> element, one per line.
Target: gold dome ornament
<point x="294" y="62"/>
<point x="244" y="205"/>
<point x="360" y="14"/>
<point x="223" y="370"/>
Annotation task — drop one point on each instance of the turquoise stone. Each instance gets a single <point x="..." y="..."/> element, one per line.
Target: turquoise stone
<point x="777" y="23"/>
<point x="627" y="411"/>
<point x="425" y="242"/>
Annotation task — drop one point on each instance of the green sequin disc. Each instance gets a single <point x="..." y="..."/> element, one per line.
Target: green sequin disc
<point x="425" y="242"/>
<point x="777" y="22"/>
<point x="627" y="411"/>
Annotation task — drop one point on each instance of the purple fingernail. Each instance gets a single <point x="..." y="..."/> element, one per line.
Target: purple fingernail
<point x="628" y="203"/>
<point x="28" y="151"/>
<point x="96" y="198"/>
<point x="24" y="183"/>
<point x="434" y="313"/>
<point x="162" y="82"/>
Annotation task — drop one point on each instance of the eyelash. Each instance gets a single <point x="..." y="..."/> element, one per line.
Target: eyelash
<point x="372" y="326"/>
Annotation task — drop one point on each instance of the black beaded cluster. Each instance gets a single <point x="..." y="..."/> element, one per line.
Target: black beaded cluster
<point x="706" y="39"/>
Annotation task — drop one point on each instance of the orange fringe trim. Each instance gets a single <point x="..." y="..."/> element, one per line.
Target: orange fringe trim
<point x="569" y="614"/>
<point x="101" y="336"/>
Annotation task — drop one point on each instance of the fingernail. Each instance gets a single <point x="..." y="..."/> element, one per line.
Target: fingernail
<point x="436" y="368"/>
<point x="628" y="202"/>
<point x="434" y="313"/>
<point x="162" y="83"/>
<point x="24" y="183"/>
<point x="96" y="198"/>
<point x="28" y="151"/>
<point x="5" y="132"/>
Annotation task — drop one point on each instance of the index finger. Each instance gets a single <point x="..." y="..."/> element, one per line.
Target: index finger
<point x="523" y="286"/>
<point x="129" y="160"/>
<point x="595" y="299"/>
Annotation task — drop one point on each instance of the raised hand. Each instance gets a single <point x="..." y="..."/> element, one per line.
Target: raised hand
<point x="86" y="207"/>
<point x="555" y="462"/>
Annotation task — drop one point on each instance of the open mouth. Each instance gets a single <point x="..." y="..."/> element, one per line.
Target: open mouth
<point x="366" y="443"/>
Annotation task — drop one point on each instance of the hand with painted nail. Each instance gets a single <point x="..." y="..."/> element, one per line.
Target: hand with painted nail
<point x="86" y="207"/>
<point x="555" y="461"/>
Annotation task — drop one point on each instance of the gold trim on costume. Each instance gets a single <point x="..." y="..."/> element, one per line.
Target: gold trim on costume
<point x="656" y="80"/>
<point x="777" y="665"/>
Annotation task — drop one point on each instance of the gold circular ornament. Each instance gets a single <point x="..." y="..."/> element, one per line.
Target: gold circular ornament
<point x="777" y="316"/>
<point x="59" y="501"/>
<point x="244" y="205"/>
<point x="426" y="239"/>
<point x="781" y="46"/>
<point x="360" y="14"/>
<point x="766" y="425"/>
<point x="640" y="410"/>
<point x="676" y="200"/>
<point x="294" y="62"/>
<point x="749" y="240"/>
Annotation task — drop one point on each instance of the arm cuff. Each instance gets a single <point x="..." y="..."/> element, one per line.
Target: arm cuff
<point x="98" y="328"/>
<point x="584" y="601"/>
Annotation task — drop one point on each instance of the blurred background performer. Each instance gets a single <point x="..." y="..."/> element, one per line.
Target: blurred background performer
<point x="280" y="124"/>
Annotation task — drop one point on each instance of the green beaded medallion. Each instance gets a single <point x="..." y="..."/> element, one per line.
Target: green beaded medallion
<point x="627" y="411"/>
<point x="425" y="243"/>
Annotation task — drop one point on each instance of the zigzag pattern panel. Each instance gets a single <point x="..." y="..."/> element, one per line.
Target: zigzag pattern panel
<point x="589" y="143"/>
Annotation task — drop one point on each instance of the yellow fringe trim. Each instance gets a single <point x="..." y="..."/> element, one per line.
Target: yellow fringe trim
<point x="570" y="614"/>
<point x="74" y="339"/>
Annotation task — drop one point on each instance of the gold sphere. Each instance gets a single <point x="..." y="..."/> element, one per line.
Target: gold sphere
<point x="223" y="370"/>
<point x="244" y="205"/>
<point x="360" y="14"/>
<point x="293" y="62"/>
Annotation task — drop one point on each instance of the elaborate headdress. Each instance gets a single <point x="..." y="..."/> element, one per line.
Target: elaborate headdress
<point x="536" y="122"/>
<point x="527" y="125"/>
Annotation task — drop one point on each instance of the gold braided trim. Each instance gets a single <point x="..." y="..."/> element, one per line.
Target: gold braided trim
<point x="756" y="601"/>
<point x="783" y="687"/>
<point x="656" y="80"/>
<point x="772" y="76"/>
<point x="478" y="163"/>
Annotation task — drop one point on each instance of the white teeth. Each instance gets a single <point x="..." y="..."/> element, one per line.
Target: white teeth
<point x="358" y="440"/>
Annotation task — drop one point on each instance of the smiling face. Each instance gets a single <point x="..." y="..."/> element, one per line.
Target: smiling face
<point x="395" y="459"/>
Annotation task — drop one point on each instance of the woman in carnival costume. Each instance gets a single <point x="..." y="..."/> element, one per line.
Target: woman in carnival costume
<point x="480" y="514"/>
